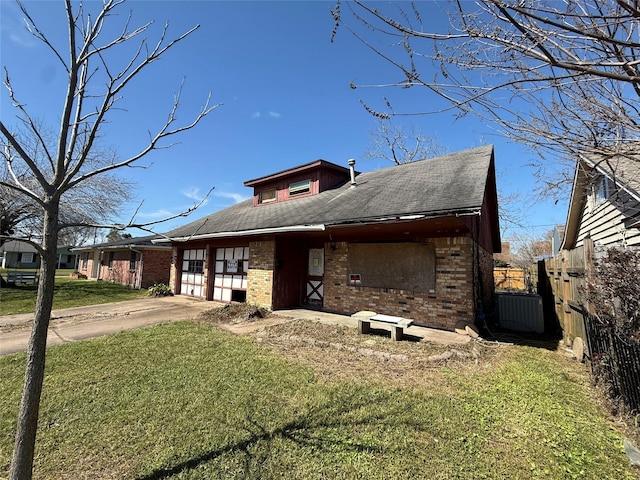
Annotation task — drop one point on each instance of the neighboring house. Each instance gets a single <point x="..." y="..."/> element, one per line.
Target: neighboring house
<point x="605" y="203"/>
<point x="135" y="262"/>
<point x="16" y="254"/>
<point x="67" y="258"/>
<point x="504" y="257"/>
<point x="414" y="240"/>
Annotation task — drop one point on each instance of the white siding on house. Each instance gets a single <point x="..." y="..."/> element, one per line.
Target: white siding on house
<point x="606" y="222"/>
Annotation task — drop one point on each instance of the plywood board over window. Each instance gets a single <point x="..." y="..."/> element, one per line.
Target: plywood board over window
<point x="400" y="266"/>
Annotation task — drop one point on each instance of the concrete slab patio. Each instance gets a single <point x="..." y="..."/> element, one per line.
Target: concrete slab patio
<point x="443" y="337"/>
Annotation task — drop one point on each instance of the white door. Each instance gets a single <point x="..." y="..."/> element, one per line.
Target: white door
<point x="315" y="278"/>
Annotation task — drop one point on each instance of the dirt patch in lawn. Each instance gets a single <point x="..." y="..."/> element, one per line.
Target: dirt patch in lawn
<point x="234" y="314"/>
<point x="337" y="352"/>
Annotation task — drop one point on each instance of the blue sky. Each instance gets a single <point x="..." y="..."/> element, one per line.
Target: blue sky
<point x="285" y="95"/>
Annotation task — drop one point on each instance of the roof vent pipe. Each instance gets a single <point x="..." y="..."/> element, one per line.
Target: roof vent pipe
<point x="352" y="171"/>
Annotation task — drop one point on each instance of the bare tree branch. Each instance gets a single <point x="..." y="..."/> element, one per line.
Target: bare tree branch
<point x="51" y="185"/>
<point x="399" y="145"/>
<point x="562" y="77"/>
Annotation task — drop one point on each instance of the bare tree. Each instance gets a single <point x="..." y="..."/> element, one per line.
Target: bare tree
<point x="561" y="76"/>
<point x="73" y="165"/>
<point x="14" y="212"/>
<point x="528" y="248"/>
<point x="115" y="235"/>
<point x="93" y="201"/>
<point x="401" y="145"/>
<point x="613" y="291"/>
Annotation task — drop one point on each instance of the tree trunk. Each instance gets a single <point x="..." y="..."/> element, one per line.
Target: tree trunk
<point x="23" y="451"/>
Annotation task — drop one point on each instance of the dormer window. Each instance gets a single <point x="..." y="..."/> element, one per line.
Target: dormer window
<point x="267" y="196"/>
<point x="298" y="182"/>
<point x="299" y="188"/>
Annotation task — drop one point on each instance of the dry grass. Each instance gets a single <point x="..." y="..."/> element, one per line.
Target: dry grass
<point x="337" y="352"/>
<point x="189" y="400"/>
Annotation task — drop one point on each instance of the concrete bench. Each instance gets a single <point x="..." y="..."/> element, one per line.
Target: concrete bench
<point x="398" y="324"/>
<point x="27" y="278"/>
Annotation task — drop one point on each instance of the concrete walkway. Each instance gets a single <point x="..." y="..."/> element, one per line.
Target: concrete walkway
<point x="79" y="323"/>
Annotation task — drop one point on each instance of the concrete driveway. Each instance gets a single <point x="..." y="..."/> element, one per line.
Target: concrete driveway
<point x="79" y="323"/>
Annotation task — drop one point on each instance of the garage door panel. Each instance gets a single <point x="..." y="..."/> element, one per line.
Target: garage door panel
<point x="193" y="264"/>
<point x="231" y="266"/>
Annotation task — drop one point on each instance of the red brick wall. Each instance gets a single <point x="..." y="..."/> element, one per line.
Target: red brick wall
<point x="119" y="271"/>
<point x="452" y="300"/>
<point x="85" y="271"/>
<point x="487" y="279"/>
<point x="156" y="267"/>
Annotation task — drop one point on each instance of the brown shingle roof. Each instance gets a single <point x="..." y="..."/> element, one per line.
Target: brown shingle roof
<point x="449" y="184"/>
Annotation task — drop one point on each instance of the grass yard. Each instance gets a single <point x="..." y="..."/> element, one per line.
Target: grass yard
<point x="68" y="293"/>
<point x="60" y="272"/>
<point x="308" y="401"/>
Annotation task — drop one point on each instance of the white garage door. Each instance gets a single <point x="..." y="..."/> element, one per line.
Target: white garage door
<point x="230" y="277"/>
<point x="192" y="282"/>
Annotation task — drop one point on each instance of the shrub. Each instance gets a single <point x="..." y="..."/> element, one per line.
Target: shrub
<point x="614" y="291"/>
<point x="160" y="290"/>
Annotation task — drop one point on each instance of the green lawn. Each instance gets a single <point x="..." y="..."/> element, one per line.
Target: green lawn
<point x="68" y="293"/>
<point x="60" y="272"/>
<point x="189" y="401"/>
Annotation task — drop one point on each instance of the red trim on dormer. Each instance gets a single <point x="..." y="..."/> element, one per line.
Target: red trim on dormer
<point x="301" y="168"/>
<point x="322" y="175"/>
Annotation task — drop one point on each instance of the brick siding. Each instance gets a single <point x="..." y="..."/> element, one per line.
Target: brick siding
<point x="452" y="300"/>
<point x="89" y="268"/>
<point x="173" y="272"/>
<point x="262" y="257"/>
<point x="119" y="271"/>
<point x="156" y="267"/>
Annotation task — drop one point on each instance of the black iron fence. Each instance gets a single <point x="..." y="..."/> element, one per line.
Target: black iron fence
<point x="615" y="359"/>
